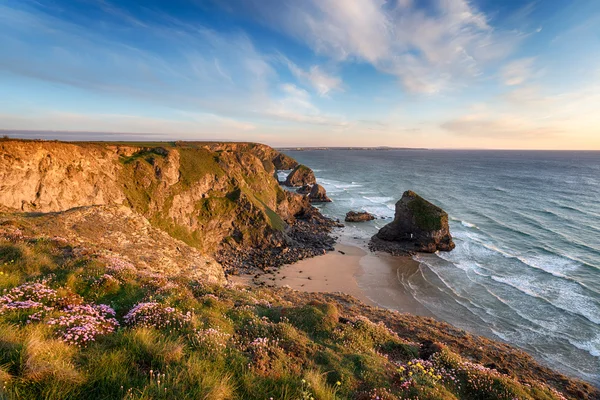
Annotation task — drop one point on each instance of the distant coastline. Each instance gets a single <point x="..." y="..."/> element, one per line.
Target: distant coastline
<point x="347" y="148"/>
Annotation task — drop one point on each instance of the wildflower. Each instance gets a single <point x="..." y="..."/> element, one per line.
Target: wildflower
<point x="153" y="314"/>
<point x="81" y="324"/>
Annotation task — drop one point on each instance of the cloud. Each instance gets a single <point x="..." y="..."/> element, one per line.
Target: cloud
<point x="429" y="50"/>
<point x="531" y="113"/>
<point x="178" y="65"/>
<point x="499" y="127"/>
<point x="517" y="72"/>
<point x="319" y="80"/>
<point x="295" y="105"/>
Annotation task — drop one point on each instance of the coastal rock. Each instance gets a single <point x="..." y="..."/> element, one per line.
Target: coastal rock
<point x="359" y="216"/>
<point x="284" y="162"/>
<point x="301" y="176"/>
<point x="304" y="189"/>
<point x="221" y="199"/>
<point x="418" y="226"/>
<point x="318" y="194"/>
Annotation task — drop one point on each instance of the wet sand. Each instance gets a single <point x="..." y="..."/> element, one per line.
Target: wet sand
<point x="371" y="277"/>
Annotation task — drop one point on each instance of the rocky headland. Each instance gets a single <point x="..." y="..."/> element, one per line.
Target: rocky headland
<point x="219" y="198"/>
<point x="418" y="226"/>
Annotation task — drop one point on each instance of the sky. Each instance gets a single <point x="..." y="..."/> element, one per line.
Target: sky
<point x="498" y="74"/>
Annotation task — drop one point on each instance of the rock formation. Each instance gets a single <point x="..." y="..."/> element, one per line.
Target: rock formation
<point x="284" y="162"/>
<point x="359" y="216"/>
<point x="301" y="176"/>
<point x="304" y="189"/>
<point x="318" y="194"/>
<point x="418" y="226"/>
<point x="208" y="195"/>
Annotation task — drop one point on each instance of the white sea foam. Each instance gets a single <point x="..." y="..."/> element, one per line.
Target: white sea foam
<point x="563" y="296"/>
<point x="591" y="346"/>
<point x="378" y="200"/>
<point x="555" y="265"/>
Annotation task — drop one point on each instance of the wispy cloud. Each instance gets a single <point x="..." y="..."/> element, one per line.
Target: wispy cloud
<point x="295" y="105"/>
<point x="319" y="80"/>
<point x="518" y="72"/>
<point x="429" y="50"/>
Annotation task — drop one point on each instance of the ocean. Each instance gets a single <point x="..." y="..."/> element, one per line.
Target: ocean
<point x="526" y="268"/>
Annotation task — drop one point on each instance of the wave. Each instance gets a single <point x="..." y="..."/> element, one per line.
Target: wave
<point x="591" y="346"/>
<point x="378" y="200"/>
<point x="573" y="303"/>
<point x="553" y="265"/>
<point x="469" y="225"/>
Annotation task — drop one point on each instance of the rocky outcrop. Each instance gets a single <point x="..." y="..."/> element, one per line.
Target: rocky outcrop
<point x="207" y="195"/>
<point x="318" y="194"/>
<point x="301" y="176"/>
<point x="284" y="162"/>
<point x="304" y="189"/>
<point x="418" y="226"/>
<point x="359" y="216"/>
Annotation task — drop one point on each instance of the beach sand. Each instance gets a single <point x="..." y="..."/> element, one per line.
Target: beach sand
<point x="370" y="277"/>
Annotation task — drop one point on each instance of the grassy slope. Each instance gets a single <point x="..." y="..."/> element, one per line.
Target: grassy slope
<point x="235" y="343"/>
<point x="141" y="186"/>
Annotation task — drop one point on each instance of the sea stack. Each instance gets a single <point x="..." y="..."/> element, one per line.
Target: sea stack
<point x="301" y="176"/>
<point x="318" y="194"/>
<point x="418" y="226"/>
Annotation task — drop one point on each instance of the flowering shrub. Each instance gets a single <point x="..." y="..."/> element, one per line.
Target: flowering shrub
<point x="153" y="314"/>
<point x="416" y="372"/>
<point x="81" y="324"/>
<point x="212" y="339"/>
<point x="29" y="296"/>
<point x="119" y="267"/>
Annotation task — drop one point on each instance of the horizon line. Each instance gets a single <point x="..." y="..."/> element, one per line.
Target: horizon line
<point x="5" y="133"/>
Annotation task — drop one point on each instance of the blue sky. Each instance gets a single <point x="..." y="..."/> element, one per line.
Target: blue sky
<point x="426" y="73"/>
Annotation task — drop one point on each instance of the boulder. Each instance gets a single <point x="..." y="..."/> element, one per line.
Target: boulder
<point x="318" y="194"/>
<point x="418" y="226"/>
<point x="304" y="189"/>
<point x="301" y="176"/>
<point x="359" y="216"/>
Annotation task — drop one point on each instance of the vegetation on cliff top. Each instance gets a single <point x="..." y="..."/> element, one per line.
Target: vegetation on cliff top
<point x="96" y="327"/>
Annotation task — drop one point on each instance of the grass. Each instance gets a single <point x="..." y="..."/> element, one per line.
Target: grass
<point x="212" y="342"/>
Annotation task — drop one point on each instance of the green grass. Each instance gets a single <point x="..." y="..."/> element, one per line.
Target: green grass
<point x="195" y="164"/>
<point x="236" y="344"/>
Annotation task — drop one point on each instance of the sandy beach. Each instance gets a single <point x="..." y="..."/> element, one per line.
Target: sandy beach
<point x="370" y="277"/>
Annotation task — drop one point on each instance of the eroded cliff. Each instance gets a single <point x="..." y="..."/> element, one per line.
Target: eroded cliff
<point x="209" y="195"/>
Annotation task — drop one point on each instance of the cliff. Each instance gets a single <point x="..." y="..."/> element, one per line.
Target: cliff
<point x="209" y="195"/>
<point x="418" y="226"/>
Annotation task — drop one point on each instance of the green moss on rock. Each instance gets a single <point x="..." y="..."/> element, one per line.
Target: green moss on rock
<point x="427" y="216"/>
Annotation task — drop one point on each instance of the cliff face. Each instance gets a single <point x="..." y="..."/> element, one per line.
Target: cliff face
<point x="46" y="176"/>
<point x="201" y="193"/>
<point x="418" y="226"/>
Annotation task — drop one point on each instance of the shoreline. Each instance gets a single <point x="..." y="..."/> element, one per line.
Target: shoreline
<point x="349" y="269"/>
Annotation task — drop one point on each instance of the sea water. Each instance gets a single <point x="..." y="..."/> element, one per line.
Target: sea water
<point x="526" y="268"/>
